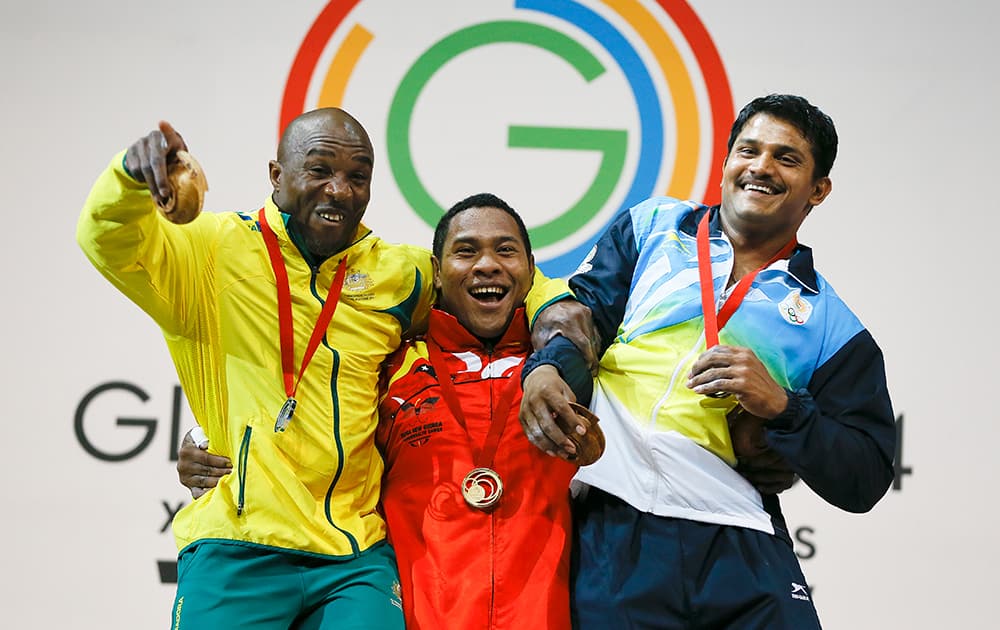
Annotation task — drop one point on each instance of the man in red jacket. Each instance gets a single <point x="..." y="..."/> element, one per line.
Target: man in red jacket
<point x="479" y="518"/>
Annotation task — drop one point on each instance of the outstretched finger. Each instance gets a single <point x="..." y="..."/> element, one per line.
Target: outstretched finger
<point x="146" y="161"/>
<point x="158" y="179"/>
<point x="173" y="139"/>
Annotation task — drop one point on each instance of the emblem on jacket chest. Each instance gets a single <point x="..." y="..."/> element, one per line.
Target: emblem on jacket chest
<point x="794" y="309"/>
<point x="358" y="284"/>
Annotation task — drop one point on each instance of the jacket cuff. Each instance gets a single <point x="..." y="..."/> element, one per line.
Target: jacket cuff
<point x="568" y="360"/>
<point x="786" y="420"/>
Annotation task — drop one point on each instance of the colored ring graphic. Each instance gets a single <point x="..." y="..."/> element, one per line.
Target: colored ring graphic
<point x="609" y="142"/>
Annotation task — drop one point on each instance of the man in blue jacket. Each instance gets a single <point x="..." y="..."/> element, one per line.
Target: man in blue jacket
<point x="719" y="341"/>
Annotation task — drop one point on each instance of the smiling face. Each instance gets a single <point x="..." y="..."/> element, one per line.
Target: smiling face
<point x="484" y="271"/>
<point x="322" y="178"/>
<point x="768" y="184"/>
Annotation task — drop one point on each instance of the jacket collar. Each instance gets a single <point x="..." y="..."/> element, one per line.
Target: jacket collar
<point x="286" y="232"/>
<point x="799" y="265"/>
<point x="446" y="331"/>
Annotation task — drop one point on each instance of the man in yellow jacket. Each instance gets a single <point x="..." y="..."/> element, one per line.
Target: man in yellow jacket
<point x="277" y="321"/>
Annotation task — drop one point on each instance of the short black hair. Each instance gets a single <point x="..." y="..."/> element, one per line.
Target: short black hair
<point x="815" y="126"/>
<point x="481" y="200"/>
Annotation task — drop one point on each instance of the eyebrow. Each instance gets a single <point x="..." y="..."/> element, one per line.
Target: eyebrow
<point x="364" y="158"/>
<point x="475" y="240"/>
<point x="778" y="148"/>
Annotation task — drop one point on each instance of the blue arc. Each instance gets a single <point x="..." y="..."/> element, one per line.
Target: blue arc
<point x="650" y="113"/>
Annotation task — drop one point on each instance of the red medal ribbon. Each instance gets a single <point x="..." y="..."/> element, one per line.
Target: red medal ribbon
<point x="286" y="332"/>
<point x="484" y="457"/>
<point x="713" y="323"/>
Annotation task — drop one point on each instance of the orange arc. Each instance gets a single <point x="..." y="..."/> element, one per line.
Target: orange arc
<point x="342" y="67"/>
<point x="669" y="59"/>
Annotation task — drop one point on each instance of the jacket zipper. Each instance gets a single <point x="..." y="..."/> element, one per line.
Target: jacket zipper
<point x="241" y="470"/>
<point x="689" y="357"/>
<point x="680" y="367"/>
<point x="493" y="586"/>
<point x="335" y="429"/>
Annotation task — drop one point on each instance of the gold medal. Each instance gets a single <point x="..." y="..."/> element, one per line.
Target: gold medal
<point x="482" y="488"/>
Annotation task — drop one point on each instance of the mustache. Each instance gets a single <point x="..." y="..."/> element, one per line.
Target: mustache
<point x="332" y="207"/>
<point x="762" y="181"/>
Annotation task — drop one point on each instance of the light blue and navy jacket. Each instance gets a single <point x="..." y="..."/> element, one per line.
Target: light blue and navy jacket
<point x="668" y="448"/>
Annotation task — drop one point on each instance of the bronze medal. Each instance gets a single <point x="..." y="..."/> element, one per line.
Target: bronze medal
<point x="482" y="488"/>
<point x="590" y="445"/>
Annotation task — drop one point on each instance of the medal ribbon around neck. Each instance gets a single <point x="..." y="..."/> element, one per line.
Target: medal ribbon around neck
<point x="482" y="487"/>
<point x="285" y="328"/>
<point x="714" y="323"/>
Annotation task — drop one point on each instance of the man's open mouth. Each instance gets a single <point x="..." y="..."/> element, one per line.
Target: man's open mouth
<point x="331" y="217"/>
<point x="488" y="294"/>
<point x="761" y="188"/>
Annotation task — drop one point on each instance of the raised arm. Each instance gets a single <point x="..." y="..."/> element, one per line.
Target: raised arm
<point x="151" y="260"/>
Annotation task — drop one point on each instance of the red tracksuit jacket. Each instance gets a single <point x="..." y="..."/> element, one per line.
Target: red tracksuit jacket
<point x="460" y="567"/>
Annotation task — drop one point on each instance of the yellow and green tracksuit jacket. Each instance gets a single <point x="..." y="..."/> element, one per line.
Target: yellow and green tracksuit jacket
<point x="209" y="286"/>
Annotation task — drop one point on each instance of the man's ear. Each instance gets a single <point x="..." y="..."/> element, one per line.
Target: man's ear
<point x="821" y="188"/>
<point x="436" y="266"/>
<point x="274" y="174"/>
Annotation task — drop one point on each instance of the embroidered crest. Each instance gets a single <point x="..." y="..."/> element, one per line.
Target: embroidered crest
<point x="357" y="281"/>
<point x="794" y="309"/>
<point x="416" y="422"/>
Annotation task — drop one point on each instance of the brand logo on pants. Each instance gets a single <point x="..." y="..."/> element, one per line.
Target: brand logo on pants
<point x="799" y="591"/>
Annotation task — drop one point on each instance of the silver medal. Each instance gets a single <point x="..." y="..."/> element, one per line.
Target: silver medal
<point x="285" y="415"/>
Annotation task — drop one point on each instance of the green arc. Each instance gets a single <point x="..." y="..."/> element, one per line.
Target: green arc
<point x="610" y="143"/>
